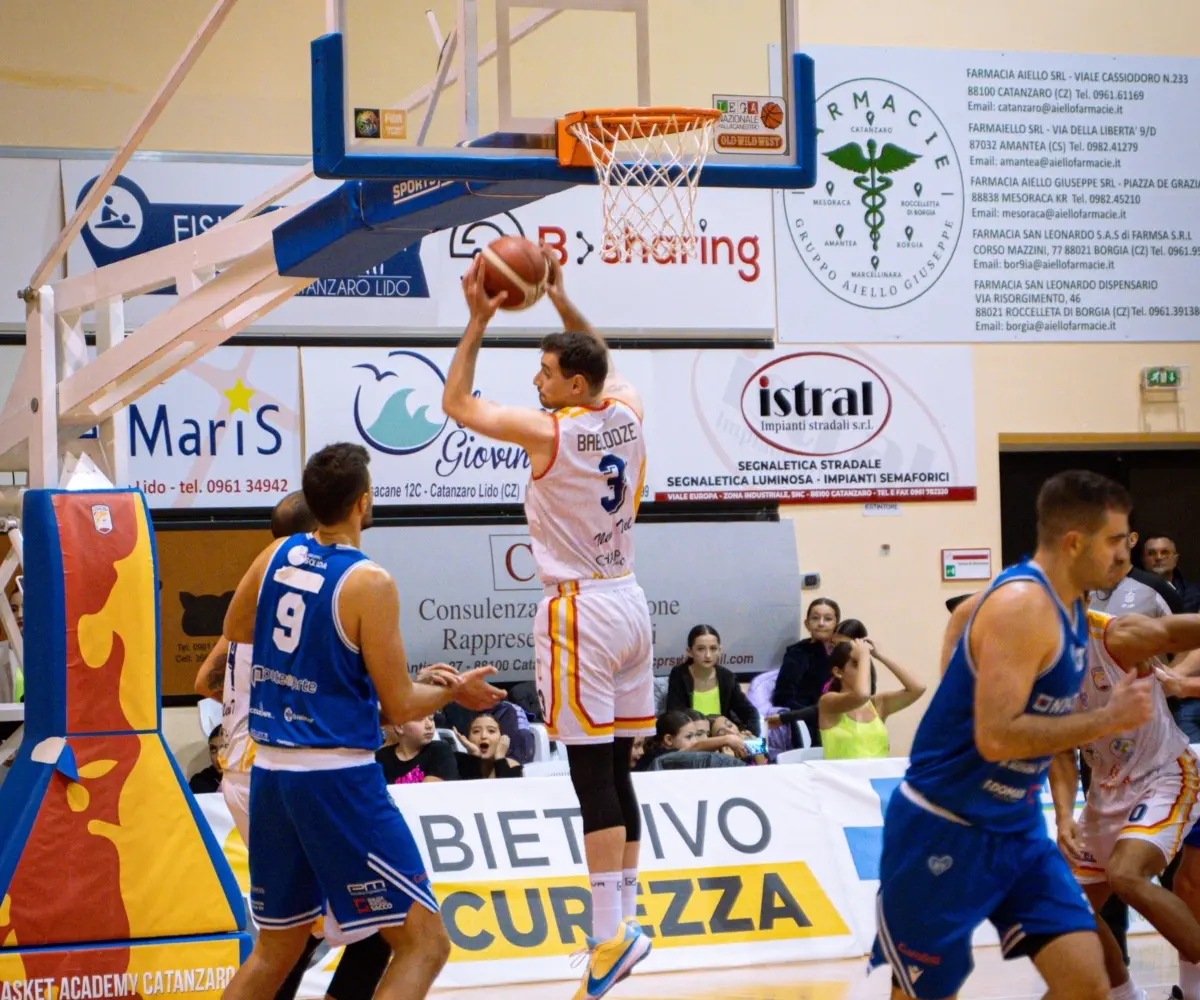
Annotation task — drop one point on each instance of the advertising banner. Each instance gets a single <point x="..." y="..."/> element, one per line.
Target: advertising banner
<point x="994" y="196"/>
<point x="468" y="593"/>
<point x="814" y="425"/>
<point x="724" y="286"/>
<point x="224" y="432"/>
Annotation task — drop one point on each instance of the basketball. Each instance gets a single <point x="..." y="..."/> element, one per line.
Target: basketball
<point x="517" y="267"/>
<point x="772" y="115"/>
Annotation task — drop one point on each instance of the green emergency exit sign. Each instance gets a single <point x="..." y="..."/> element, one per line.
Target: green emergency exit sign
<point x="1162" y="377"/>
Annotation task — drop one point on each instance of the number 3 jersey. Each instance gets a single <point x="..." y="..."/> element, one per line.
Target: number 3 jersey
<point x="309" y="684"/>
<point x="582" y="508"/>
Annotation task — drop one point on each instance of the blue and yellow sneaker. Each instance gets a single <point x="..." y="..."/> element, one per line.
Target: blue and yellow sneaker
<point x="611" y="961"/>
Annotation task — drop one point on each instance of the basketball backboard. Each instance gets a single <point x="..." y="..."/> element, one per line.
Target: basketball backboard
<point x="472" y="89"/>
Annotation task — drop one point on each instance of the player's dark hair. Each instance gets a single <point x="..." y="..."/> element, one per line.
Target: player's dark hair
<point x="579" y="353"/>
<point x="1077" y="501"/>
<point x="291" y="516"/>
<point x="334" y="478"/>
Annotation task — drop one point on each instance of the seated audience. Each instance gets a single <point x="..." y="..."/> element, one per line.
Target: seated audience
<point x="209" y="779"/>
<point x="804" y="672"/>
<point x="851" y="718"/>
<point x="487" y="751"/>
<point x="719" y="726"/>
<point x="679" y="742"/>
<point x="636" y="750"/>
<point x="413" y="756"/>
<point x="699" y="683"/>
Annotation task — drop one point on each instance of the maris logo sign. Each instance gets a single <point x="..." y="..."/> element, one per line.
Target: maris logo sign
<point x="816" y="403"/>
<point x="164" y="429"/>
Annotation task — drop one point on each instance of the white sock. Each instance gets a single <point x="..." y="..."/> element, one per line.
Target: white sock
<point x="606" y="905"/>
<point x="629" y="888"/>
<point x="1189" y="980"/>
<point x="1128" y="991"/>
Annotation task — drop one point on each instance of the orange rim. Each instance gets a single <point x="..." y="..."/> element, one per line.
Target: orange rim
<point x="638" y="123"/>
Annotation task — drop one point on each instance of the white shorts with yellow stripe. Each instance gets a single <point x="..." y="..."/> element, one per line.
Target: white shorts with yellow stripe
<point x="1160" y="807"/>
<point x="595" y="664"/>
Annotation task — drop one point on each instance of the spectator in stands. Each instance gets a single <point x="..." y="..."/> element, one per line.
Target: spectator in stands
<point x="805" y="668"/>
<point x="699" y="683"/>
<point x="413" y="756"/>
<point x="720" y="726"/>
<point x="209" y="779"/>
<point x="1161" y="557"/>
<point x="851" y="719"/>
<point x="682" y="741"/>
<point x="487" y="751"/>
<point x="636" y="751"/>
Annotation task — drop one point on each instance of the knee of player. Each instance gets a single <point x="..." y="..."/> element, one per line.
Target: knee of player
<point x="1126" y="879"/>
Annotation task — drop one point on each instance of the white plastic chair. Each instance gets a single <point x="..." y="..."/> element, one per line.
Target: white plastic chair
<point x="210" y="712"/>
<point x="799" y="756"/>
<point x="448" y="736"/>
<point x="547" y="769"/>
<point x="541" y="742"/>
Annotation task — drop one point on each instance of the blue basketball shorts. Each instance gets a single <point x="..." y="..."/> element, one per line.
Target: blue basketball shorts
<point x="940" y="879"/>
<point x="332" y="839"/>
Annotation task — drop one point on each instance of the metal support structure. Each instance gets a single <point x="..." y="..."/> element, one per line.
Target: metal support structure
<point x="467" y="29"/>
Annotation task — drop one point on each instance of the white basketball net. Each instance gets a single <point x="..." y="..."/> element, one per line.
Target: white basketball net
<point x="648" y="168"/>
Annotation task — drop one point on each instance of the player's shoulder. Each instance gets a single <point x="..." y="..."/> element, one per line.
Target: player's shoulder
<point x="1019" y="603"/>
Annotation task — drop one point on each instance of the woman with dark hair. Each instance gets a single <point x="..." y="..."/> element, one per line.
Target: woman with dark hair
<point x="673" y="731"/>
<point x="805" y="668"/>
<point x="698" y="682"/>
<point x="850" y="717"/>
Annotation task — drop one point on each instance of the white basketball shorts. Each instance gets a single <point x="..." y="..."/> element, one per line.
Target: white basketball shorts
<point x="1160" y="807"/>
<point x="235" y="786"/>
<point x="595" y="664"/>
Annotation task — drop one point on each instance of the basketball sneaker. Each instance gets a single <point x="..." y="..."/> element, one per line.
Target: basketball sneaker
<point x="611" y="961"/>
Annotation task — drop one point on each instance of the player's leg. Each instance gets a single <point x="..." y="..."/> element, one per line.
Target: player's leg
<point x="372" y="874"/>
<point x="285" y="895"/>
<point x="1045" y="916"/>
<point x="1151" y="836"/>
<point x="633" y="717"/>
<point x="1123" y="987"/>
<point x="361" y="968"/>
<point x="1187" y="888"/>
<point x="1073" y="967"/>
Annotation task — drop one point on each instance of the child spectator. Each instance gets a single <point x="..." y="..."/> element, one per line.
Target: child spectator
<point x="699" y="683"/>
<point x="851" y="719"/>
<point x="487" y="751"/>
<point x="805" y="668"/>
<point x="209" y="779"/>
<point x="413" y="756"/>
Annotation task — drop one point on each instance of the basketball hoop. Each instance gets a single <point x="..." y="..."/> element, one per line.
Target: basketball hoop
<point x="648" y="163"/>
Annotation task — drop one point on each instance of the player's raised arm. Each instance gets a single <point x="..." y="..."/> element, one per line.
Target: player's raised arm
<point x="534" y="430"/>
<point x="615" y="386"/>
<point x="1007" y="662"/>
<point x="369" y="608"/>
<point x="239" y="616"/>
<point x="1130" y="639"/>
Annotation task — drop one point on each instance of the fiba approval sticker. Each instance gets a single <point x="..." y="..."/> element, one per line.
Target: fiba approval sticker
<point x="881" y="225"/>
<point x="750" y="124"/>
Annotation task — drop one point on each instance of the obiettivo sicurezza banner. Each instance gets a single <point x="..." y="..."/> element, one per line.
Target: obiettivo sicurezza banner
<point x="994" y="196"/>
<point x="753" y="866"/>
<point x="800" y="425"/>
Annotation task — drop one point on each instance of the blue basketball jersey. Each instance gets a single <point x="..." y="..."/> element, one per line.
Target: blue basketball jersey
<point x="945" y="766"/>
<point x="310" y="686"/>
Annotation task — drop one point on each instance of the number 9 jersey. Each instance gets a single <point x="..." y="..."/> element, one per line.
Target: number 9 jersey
<point x="582" y="508"/>
<point x="309" y="684"/>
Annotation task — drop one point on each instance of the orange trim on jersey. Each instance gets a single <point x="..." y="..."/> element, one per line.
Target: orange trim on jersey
<point x="574" y="690"/>
<point x="1184" y="803"/>
<point x="620" y="723"/>
<point x="553" y="454"/>
<point x="637" y="496"/>
<point x="552" y="621"/>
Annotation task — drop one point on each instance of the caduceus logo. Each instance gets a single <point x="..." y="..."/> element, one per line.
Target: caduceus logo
<point x="871" y="177"/>
<point x="880" y="230"/>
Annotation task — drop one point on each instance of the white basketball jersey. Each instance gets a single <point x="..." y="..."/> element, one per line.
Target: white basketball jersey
<point x="238" y="755"/>
<point x="1122" y="757"/>
<point x="581" y="510"/>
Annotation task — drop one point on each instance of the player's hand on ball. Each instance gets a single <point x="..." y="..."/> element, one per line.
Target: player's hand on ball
<point x="1132" y="702"/>
<point x="474" y="691"/>
<point x="439" y="675"/>
<point x="554" y="280"/>
<point x="483" y="306"/>
<point x="1070" y="840"/>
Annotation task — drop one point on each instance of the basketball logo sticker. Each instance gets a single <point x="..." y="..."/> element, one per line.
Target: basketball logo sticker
<point x="881" y="225"/>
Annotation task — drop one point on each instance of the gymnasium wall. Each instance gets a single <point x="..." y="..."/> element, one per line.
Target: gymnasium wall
<point x="77" y="75"/>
